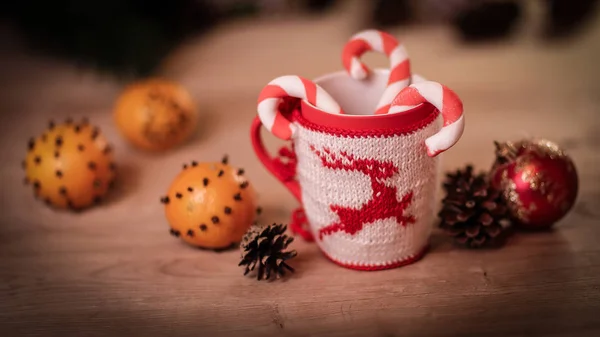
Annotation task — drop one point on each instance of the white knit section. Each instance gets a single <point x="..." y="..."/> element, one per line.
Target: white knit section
<point x="385" y="241"/>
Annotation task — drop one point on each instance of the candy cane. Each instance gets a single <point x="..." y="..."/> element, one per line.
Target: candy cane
<point x="384" y="43"/>
<point x="443" y="99"/>
<point x="291" y="86"/>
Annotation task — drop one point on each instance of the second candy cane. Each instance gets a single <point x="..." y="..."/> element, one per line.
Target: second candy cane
<point x="445" y="101"/>
<point x="291" y="86"/>
<point x="374" y="40"/>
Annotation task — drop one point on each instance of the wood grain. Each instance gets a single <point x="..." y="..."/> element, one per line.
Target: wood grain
<point x="115" y="271"/>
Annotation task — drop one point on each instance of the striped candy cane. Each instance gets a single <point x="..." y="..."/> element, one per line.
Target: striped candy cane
<point x="384" y="43"/>
<point x="446" y="101"/>
<point x="290" y="86"/>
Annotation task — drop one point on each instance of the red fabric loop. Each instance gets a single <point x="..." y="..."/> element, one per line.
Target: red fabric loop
<point x="299" y="225"/>
<point x="285" y="163"/>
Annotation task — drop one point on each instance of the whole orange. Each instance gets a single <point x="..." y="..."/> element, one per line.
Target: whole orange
<point x="156" y="114"/>
<point x="70" y="165"/>
<point x="210" y="205"/>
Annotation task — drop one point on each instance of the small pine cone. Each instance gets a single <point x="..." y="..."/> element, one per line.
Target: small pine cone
<point x="473" y="212"/>
<point x="264" y="248"/>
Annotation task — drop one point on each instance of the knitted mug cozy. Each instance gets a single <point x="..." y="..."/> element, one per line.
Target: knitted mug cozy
<point x="367" y="184"/>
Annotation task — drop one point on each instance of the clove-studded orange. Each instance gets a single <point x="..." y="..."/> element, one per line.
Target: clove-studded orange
<point x="155" y="114"/>
<point x="70" y="165"/>
<point x="210" y="205"/>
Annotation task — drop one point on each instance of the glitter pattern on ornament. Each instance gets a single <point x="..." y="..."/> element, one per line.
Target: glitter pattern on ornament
<point x="538" y="180"/>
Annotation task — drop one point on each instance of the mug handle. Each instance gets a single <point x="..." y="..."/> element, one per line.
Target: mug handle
<point x="270" y="163"/>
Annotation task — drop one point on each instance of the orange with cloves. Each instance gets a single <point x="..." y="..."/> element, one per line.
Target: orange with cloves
<point x="210" y="205"/>
<point x="70" y="165"/>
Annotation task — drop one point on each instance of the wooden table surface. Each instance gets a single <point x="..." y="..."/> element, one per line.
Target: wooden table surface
<point x="115" y="271"/>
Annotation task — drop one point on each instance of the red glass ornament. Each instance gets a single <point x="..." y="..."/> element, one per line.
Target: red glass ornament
<point x="538" y="180"/>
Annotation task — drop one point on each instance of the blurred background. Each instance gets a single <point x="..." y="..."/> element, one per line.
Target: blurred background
<point x="132" y="38"/>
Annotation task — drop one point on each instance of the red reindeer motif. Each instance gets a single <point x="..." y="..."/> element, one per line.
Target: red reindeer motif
<point x="383" y="203"/>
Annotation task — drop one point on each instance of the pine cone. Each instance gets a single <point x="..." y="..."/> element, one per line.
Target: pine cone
<point x="473" y="212"/>
<point x="264" y="246"/>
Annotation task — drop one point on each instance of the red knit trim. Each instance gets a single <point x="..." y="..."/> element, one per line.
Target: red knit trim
<point x="380" y="267"/>
<point x="375" y="132"/>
